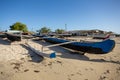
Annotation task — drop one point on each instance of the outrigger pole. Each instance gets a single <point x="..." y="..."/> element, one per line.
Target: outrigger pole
<point x="41" y="53"/>
<point x="53" y="55"/>
<point x="57" y="45"/>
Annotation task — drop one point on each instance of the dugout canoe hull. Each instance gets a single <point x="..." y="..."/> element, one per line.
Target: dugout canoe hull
<point x="102" y="47"/>
<point x="13" y="37"/>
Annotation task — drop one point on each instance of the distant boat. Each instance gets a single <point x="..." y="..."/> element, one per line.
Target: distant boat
<point x="101" y="36"/>
<point x="102" y="47"/>
<point x="13" y="37"/>
<point x="61" y="35"/>
<point x="2" y="35"/>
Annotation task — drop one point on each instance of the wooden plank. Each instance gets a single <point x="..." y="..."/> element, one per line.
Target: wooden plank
<point x="37" y="52"/>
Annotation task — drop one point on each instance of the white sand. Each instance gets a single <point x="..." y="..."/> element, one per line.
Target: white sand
<point x="17" y="62"/>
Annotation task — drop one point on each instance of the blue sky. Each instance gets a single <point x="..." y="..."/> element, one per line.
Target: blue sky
<point x="77" y="14"/>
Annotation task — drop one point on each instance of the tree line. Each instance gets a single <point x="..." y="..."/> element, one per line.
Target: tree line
<point x="22" y="27"/>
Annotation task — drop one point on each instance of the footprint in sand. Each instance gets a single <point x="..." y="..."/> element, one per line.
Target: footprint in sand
<point x="102" y="78"/>
<point x="26" y="70"/>
<point x="36" y="71"/>
<point x="107" y="72"/>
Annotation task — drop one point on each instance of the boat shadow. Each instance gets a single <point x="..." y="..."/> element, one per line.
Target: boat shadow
<point x="4" y="41"/>
<point x="75" y="55"/>
<point x="34" y="57"/>
<point x="66" y="53"/>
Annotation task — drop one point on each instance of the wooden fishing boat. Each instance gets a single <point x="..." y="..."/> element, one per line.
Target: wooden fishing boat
<point x="101" y="36"/>
<point x="2" y="35"/>
<point x="102" y="47"/>
<point x="13" y="37"/>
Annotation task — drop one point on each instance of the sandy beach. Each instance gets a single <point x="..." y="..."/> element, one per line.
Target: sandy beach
<point x="18" y="62"/>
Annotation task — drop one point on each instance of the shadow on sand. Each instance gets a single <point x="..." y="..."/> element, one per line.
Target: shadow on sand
<point x="4" y="41"/>
<point x="65" y="53"/>
<point x="35" y="58"/>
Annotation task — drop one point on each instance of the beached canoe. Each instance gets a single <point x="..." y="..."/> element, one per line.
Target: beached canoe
<point x="2" y="35"/>
<point x="13" y="37"/>
<point x="102" y="47"/>
<point x="101" y="36"/>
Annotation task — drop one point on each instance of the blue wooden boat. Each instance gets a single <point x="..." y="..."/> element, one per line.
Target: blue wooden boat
<point x="102" y="47"/>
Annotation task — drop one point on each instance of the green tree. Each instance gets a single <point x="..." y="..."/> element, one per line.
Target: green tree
<point x="59" y="31"/>
<point x="19" y="26"/>
<point x="45" y="30"/>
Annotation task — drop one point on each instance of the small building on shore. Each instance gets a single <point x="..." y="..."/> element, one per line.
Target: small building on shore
<point x="87" y="32"/>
